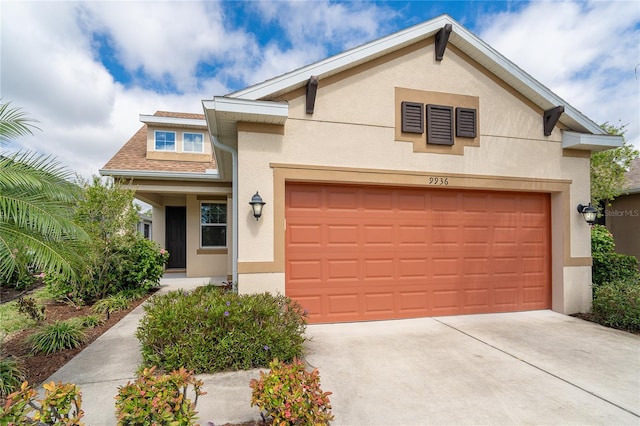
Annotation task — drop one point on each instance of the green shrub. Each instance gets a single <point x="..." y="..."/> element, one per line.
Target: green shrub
<point x="61" y="288"/>
<point x="613" y="267"/>
<point x="134" y="293"/>
<point x="30" y="307"/>
<point x="290" y="395"/>
<point x="110" y="304"/>
<point x="142" y="265"/>
<point x="12" y="374"/>
<point x="158" y="399"/>
<point x="61" y="405"/>
<point x="209" y="330"/>
<point x="601" y="240"/>
<point x="91" y="321"/>
<point x="617" y="304"/>
<point x="58" y="336"/>
<point x="609" y="266"/>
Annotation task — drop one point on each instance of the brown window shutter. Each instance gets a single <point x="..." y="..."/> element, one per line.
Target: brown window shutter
<point x="412" y="117"/>
<point x="466" y="122"/>
<point x="439" y="124"/>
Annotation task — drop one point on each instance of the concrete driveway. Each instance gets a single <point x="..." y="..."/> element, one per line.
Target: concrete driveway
<point x="535" y="367"/>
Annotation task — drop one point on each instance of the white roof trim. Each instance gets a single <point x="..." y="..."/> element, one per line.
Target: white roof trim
<point x="278" y="110"/>
<point x="583" y="141"/>
<point x="460" y="37"/>
<point x="161" y="175"/>
<point x="223" y="113"/>
<point x="174" y="121"/>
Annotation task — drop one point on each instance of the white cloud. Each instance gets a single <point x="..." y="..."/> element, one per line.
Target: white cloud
<point x="321" y="23"/>
<point x="586" y="52"/>
<point x="47" y="64"/>
<point x="50" y="66"/>
<point x="167" y="39"/>
<point x="50" y="70"/>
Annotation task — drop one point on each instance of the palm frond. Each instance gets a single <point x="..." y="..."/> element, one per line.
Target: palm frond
<point x="34" y="173"/>
<point x="14" y="123"/>
<point x="46" y="255"/>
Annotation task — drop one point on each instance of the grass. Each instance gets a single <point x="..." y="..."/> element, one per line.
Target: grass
<point x="11" y="320"/>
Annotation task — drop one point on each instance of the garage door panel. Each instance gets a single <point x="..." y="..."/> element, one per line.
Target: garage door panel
<point x="343" y="304"/>
<point x="342" y="200"/>
<point x="413" y="235"/>
<point x="379" y="302"/>
<point x="378" y="235"/>
<point x="413" y="268"/>
<point x="304" y="198"/>
<point x="365" y="253"/>
<point x="342" y="269"/>
<point x="445" y="267"/>
<point x="413" y="301"/>
<point x="343" y="235"/>
<point x="445" y="302"/>
<point x="446" y="202"/>
<point x="305" y="270"/>
<point x="410" y="203"/>
<point x="443" y="235"/>
<point x="478" y="298"/>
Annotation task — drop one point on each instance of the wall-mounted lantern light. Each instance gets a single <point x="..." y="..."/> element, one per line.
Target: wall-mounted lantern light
<point x="257" y="204"/>
<point x="588" y="212"/>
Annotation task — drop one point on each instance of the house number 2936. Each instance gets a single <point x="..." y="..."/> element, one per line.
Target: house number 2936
<point x="438" y="180"/>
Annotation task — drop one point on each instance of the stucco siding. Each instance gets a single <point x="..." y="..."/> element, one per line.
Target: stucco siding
<point x="353" y="130"/>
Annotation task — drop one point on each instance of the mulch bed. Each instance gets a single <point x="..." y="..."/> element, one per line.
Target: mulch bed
<point x="39" y="366"/>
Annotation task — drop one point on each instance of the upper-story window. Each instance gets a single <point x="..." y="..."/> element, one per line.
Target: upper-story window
<point x="192" y="142"/>
<point x="165" y="141"/>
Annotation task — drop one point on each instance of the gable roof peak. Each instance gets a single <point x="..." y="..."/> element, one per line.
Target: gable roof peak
<point x="460" y="37"/>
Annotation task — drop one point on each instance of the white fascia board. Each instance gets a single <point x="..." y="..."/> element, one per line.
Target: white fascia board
<point x="214" y="175"/>
<point x="223" y="113"/>
<point x="248" y="106"/>
<point x="173" y="121"/>
<point x="583" y="141"/>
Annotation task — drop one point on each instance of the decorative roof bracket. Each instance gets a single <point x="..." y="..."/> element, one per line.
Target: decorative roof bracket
<point x="550" y="119"/>
<point x="312" y="88"/>
<point x="442" y="38"/>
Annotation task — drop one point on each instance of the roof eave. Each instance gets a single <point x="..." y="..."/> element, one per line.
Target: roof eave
<point x="222" y="115"/>
<point x="587" y="142"/>
<point x="172" y="121"/>
<point x="159" y="175"/>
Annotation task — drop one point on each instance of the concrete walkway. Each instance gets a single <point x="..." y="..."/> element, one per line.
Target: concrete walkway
<point x="535" y="367"/>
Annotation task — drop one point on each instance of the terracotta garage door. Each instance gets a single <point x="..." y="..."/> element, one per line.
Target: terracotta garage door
<point x="357" y="253"/>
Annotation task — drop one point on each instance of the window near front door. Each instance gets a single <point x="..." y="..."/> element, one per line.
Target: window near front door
<point x="193" y="142"/>
<point x="165" y="141"/>
<point x="213" y="224"/>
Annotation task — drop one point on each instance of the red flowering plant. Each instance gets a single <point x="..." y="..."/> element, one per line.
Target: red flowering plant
<point x="159" y="399"/>
<point x="291" y="395"/>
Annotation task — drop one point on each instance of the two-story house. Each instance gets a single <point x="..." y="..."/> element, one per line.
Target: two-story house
<point x="171" y="164"/>
<point x="421" y="174"/>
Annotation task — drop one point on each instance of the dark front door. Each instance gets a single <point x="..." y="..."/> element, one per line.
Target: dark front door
<point x="176" y="233"/>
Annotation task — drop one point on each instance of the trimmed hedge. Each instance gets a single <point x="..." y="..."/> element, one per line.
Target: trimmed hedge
<point x="617" y="304"/>
<point x="210" y="330"/>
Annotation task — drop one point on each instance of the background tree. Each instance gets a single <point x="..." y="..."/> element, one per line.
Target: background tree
<point x="608" y="168"/>
<point x="37" y="198"/>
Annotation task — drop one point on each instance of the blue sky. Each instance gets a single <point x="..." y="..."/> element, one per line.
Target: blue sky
<point x="86" y="70"/>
